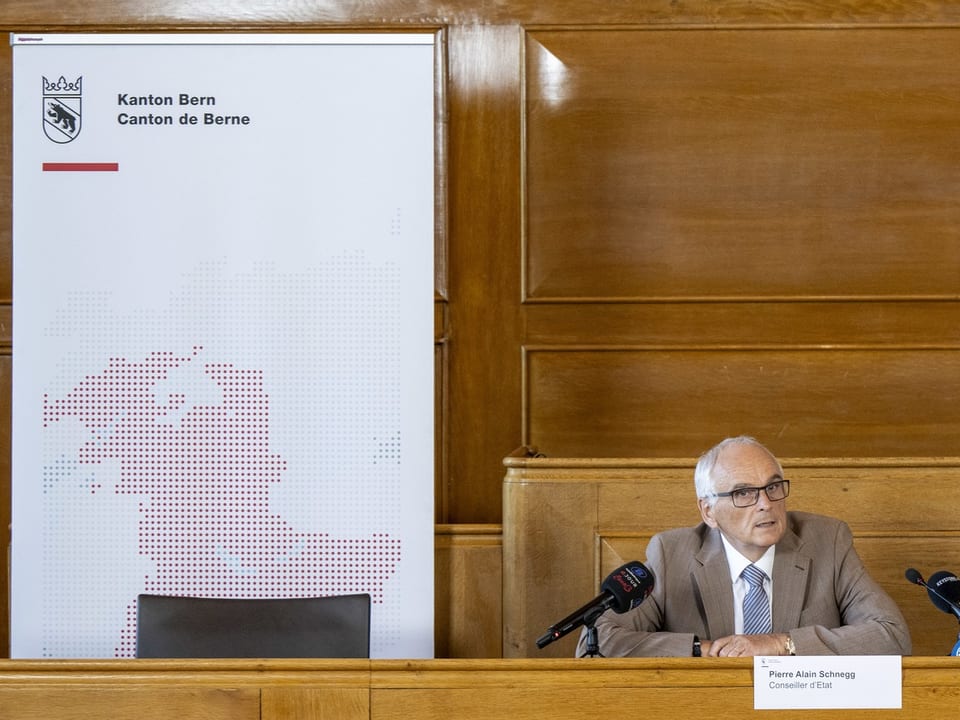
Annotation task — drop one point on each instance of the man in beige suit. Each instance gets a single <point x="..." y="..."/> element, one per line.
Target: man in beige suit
<point x="805" y="591"/>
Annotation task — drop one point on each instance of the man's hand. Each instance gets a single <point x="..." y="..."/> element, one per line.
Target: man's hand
<point x="745" y="645"/>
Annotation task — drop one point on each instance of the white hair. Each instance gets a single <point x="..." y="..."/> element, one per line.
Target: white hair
<point x="703" y="479"/>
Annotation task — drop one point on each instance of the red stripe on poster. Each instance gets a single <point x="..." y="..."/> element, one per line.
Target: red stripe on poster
<point x="81" y="167"/>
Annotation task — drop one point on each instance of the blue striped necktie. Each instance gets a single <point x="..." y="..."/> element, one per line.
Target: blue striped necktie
<point x="756" y="607"/>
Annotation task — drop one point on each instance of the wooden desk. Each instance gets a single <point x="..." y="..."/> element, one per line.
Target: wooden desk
<point x="518" y="689"/>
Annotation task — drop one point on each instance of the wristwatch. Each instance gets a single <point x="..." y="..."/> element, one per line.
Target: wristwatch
<point x="788" y="647"/>
<point x="696" y="646"/>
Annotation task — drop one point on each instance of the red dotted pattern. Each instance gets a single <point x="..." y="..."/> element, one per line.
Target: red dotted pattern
<point x="205" y="521"/>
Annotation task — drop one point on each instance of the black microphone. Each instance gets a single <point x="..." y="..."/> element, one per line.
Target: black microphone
<point x="943" y="589"/>
<point x="625" y="588"/>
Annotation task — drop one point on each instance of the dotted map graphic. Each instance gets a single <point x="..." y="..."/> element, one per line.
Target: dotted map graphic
<point x="206" y="522"/>
<point x="186" y="472"/>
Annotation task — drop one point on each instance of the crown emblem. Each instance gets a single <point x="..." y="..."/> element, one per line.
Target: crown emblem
<point x="62" y="86"/>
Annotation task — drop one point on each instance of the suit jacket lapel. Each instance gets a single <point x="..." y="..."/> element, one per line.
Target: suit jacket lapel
<point x="713" y="580"/>
<point x="791" y="568"/>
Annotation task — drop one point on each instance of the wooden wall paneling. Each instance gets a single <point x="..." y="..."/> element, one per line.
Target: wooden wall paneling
<point x="441" y="413"/>
<point x="772" y="163"/>
<point x="487" y="320"/>
<point x="678" y="401"/>
<point x="34" y="14"/>
<point x="878" y="323"/>
<point x="468" y="592"/>
<point x="748" y="194"/>
<point x="484" y="322"/>
<point x="441" y="296"/>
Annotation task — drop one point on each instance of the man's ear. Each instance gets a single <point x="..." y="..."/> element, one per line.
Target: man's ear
<point x="706" y="512"/>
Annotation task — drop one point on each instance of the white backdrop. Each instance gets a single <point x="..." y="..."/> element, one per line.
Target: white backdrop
<point x="223" y="340"/>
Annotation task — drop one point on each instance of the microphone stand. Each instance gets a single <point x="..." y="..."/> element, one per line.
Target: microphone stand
<point x="593" y="644"/>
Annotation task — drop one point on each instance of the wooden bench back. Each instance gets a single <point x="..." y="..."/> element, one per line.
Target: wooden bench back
<point x="569" y="522"/>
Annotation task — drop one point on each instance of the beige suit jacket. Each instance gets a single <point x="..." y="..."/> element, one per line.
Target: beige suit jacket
<point x="822" y="596"/>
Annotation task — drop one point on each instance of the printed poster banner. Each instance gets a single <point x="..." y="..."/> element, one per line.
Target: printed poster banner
<point x="223" y="329"/>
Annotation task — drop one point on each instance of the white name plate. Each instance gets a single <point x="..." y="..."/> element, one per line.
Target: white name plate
<point x="825" y="682"/>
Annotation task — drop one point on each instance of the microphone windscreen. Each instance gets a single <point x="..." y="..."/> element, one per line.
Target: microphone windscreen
<point x="913" y="576"/>
<point x="629" y="584"/>
<point x="948" y="586"/>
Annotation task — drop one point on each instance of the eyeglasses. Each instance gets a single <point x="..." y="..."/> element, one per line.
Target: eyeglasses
<point x="747" y="496"/>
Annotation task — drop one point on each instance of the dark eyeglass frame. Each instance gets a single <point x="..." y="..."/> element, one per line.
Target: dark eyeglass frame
<point x="745" y="494"/>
